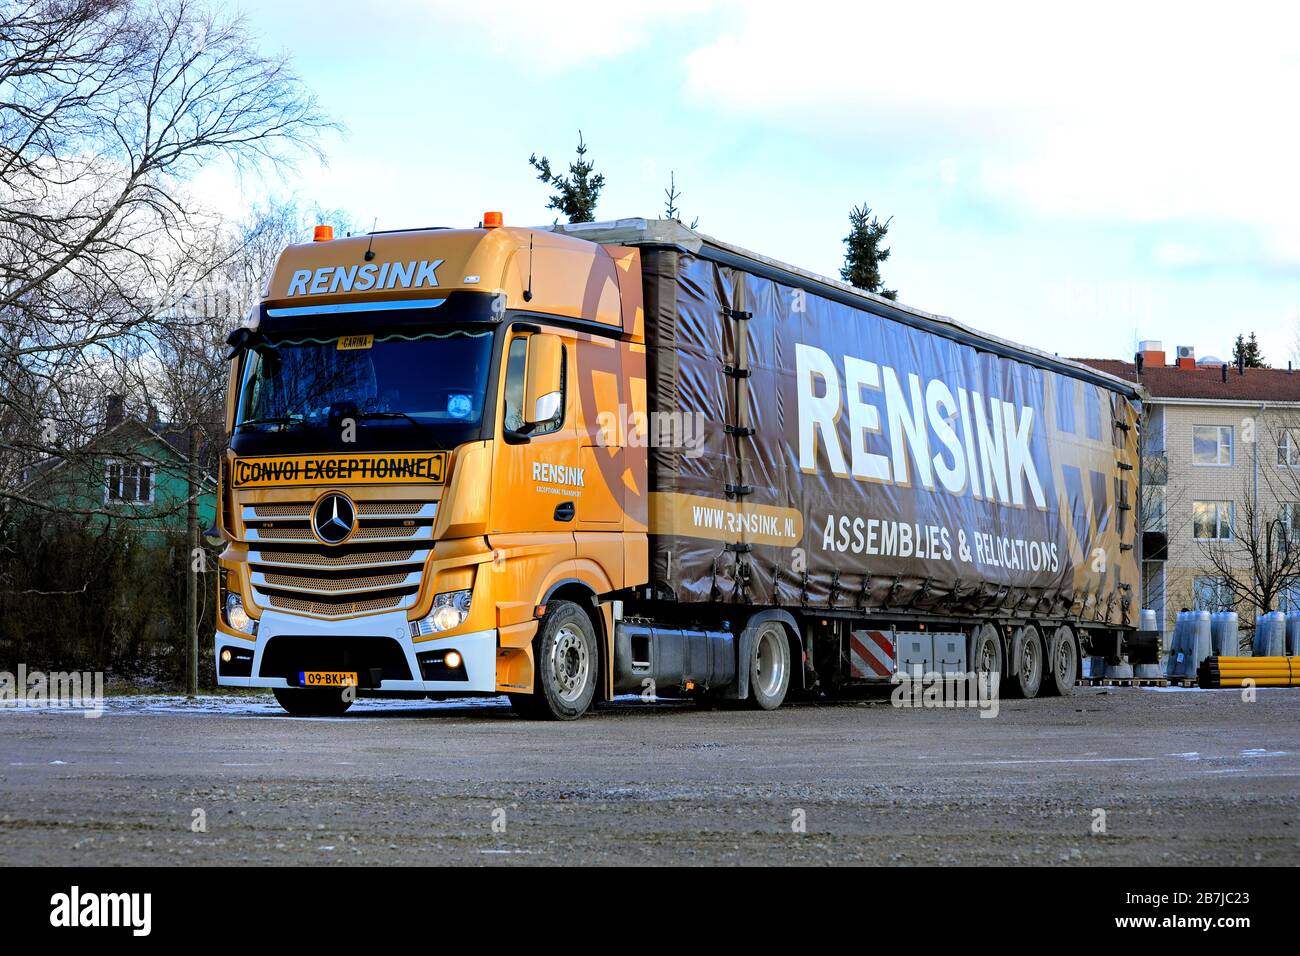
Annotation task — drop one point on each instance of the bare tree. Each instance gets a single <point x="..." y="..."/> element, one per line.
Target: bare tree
<point x="1256" y="558"/>
<point x="107" y="108"/>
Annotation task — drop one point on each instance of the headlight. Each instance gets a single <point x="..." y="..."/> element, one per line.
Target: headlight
<point x="450" y="609"/>
<point x="237" y="617"/>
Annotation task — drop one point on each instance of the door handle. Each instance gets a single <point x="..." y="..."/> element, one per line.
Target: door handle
<point x="565" y="511"/>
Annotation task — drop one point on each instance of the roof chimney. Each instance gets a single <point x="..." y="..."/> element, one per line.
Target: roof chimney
<point x="1186" y="357"/>
<point x="1152" y="352"/>
<point x="114" y="411"/>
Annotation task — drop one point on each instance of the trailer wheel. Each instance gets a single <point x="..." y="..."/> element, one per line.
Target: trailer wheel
<point x="1063" y="664"/>
<point x="769" y="667"/>
<point x="311" y="702"/>
<point x="1028" y="679"/>
<point x="565" y="664"/>
<point x="985" y="662"/>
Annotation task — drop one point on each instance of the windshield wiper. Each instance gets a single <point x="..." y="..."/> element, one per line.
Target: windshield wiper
<point x="362" y="416"/>
<point x="280" y="420"/>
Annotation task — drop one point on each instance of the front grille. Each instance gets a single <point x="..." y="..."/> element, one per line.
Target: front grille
<point x="285" y="534"/>
<point x="353" y="559"/>
<point x="377" y="569"/>
<point x="295" y="509"/>
<point x="330" y="609"/>
<point x="335" y="584"/>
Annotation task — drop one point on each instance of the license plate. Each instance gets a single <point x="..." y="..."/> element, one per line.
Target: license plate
<point x="327" y="678"/>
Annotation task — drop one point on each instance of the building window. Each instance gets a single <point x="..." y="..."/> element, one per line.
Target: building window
<point x="1153" y="590"/>
<point x="1212" y="445"/>
<point x="1212" y="520"/>
<point x="1154" y="508"/>
<point x="1290" y="517"/>
<point x="1211" y="594"/>
<point x="132" y="484"/>
<point x="1288" y="450"/>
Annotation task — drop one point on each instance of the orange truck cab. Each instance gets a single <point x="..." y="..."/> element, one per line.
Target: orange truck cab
<point x="570" y="462"/>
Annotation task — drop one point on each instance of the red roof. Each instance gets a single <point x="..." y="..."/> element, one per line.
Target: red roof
<point x="1169" y="381"/>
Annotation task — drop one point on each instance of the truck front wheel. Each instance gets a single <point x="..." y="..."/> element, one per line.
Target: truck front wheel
<point x="312" y="702"/>
<point x="565" y="665"/>
<point x="769" y="667"/>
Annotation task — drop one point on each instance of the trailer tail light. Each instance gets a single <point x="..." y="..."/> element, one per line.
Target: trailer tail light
<point x="323" y="234"/>
<point x="493" y="220"/>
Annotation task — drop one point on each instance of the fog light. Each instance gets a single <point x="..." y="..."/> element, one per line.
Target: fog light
<point x="236" y="616"/>
<point x="226" y="656"/>
<point x="453" y="659"/>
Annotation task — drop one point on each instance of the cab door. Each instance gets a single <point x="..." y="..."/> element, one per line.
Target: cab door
<point x="538" y="473"/>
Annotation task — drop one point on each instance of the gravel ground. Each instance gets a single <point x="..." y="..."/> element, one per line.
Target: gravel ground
<point x="1183" y="777"/>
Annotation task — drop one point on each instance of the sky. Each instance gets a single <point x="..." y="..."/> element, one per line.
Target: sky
<point x="1076" y="179"/>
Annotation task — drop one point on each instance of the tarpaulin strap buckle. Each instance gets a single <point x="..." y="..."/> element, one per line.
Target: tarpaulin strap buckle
<point x="735" y="372"/>
<point x="740" y="431"/>
<point x="1123" y="426"/>
<point x="739" y="547"/>
<point x="1124" y="465"/>
<point x="835" y="588"/>
<point x="1126" y="547"/>
<point x="735" y="491"/>
<point x="737" y="314"/>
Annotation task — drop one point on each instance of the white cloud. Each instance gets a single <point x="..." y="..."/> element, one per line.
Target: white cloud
<point x="541" y="36"/>
<point x="1114" y="111"/>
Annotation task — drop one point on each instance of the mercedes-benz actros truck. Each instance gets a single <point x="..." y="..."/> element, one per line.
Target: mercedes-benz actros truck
<point x="573" y="462"/>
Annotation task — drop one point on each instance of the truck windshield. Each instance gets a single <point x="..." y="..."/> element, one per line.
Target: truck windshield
<point x="430" y="381"/>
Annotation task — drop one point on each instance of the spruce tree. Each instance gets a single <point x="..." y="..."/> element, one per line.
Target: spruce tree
<point x="576" y="193"/>
<point x="865" y="253"/>
<point x="1246" y="353"/>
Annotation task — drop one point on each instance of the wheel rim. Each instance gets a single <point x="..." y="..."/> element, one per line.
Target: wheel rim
<point x="769" y="663"/>
<point x="987" y="662"/>
<point x="1029" y="660"/>
<point x="570" y="663"/>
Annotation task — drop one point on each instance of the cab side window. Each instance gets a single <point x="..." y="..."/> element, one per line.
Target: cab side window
<point x="516" y="361"/>
<point x="516" y="367"/>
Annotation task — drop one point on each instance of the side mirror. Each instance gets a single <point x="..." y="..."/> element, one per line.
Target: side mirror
<point x="543" y="377"/>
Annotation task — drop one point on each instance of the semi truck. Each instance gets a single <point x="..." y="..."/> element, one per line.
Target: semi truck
<point x="574" y="462"/>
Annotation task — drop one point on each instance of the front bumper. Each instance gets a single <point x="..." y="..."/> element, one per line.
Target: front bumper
<point x="356" y="644"/>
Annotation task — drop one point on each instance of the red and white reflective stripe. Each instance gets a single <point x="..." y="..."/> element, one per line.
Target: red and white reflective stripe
<point x="872" y="653"/>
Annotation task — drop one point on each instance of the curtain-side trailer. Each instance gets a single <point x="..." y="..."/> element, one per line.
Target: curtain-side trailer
<point x="622" y="457"/>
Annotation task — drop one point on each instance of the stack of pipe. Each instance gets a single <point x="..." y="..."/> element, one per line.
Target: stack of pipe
<point x="1261" y="671"/>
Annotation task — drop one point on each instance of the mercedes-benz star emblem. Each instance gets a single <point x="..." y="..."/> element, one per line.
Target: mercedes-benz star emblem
<point x="334" y="518"/>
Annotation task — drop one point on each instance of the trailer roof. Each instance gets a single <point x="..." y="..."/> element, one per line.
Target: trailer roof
<point x="668" y="233"/>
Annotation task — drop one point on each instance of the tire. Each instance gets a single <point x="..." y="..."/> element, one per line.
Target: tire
<point x="1063" y="664"/>
<point x="985" y="657"/>
<point x="769" y="667"/>
<point x="566" y="662"/>
<point x="303" y="702"/>
<point x="1028" y="678"/>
